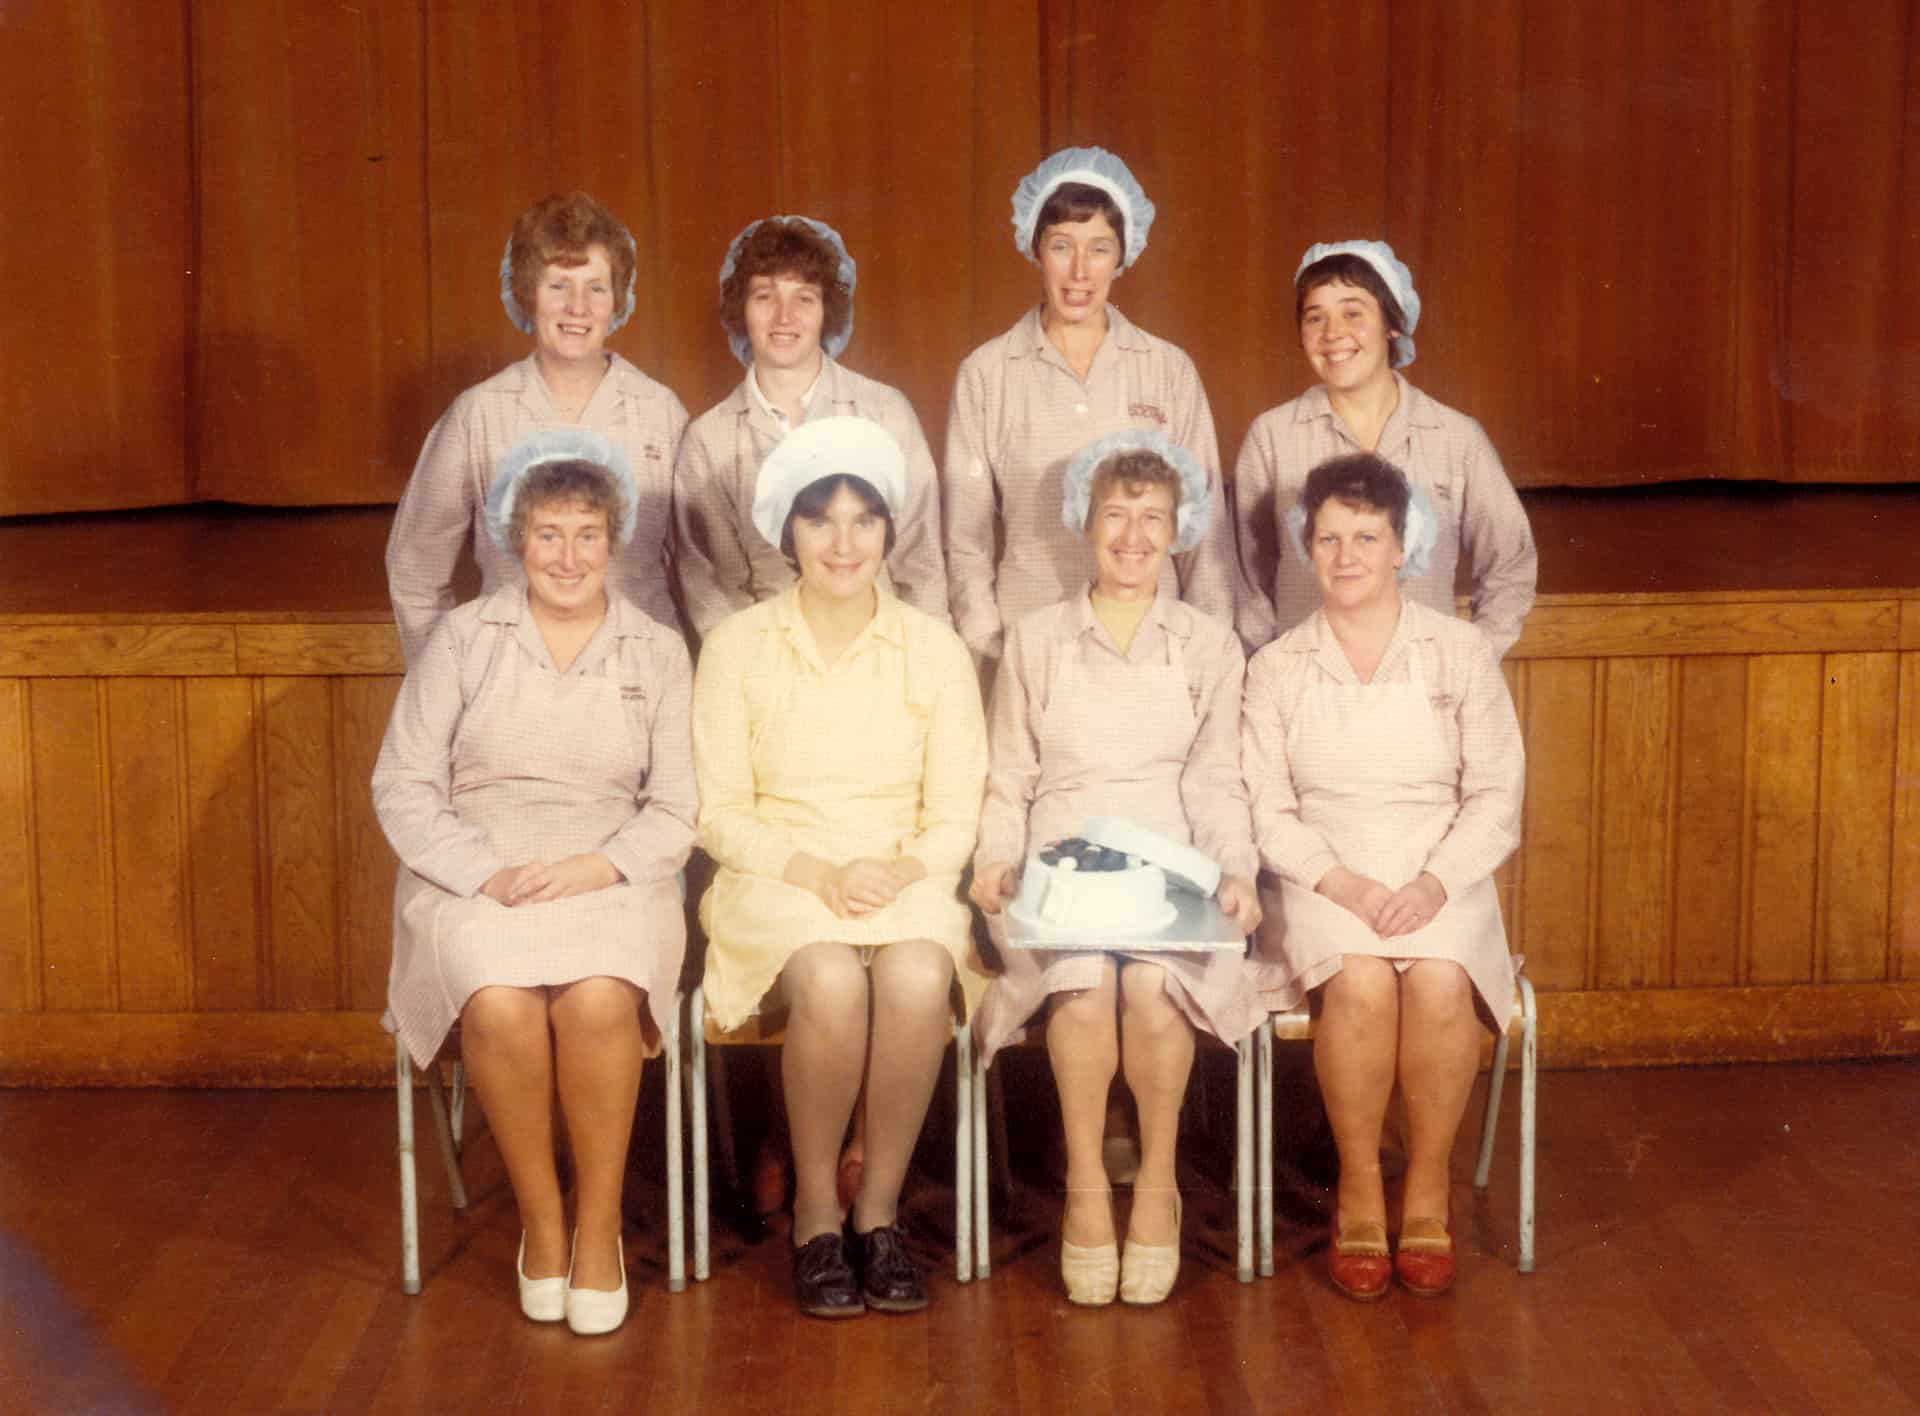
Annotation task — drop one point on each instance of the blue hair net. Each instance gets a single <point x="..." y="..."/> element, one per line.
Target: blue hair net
<point x="1416" y="545"/>
<point x="1392" y="270"/>
<point x="1096" y="167"/>
<point x="833" y="343"/>
<point x="523" y="322"/>
<point x="1196" y="506"/>
<point x="557" y="445"/>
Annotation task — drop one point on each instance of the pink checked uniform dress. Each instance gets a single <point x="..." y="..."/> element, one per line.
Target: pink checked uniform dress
<point x="1420" y="769"/>
<point x="1080" y="729"/>
<point x="495" y="758"/>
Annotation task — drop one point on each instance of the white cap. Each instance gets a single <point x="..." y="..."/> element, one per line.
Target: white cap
<point x="827" y="447"/>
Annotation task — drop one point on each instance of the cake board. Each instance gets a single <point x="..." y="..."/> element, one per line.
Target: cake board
<point x="1197" y="926"/>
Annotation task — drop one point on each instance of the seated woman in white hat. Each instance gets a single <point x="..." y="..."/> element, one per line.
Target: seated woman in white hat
<point x="841" y="754"/>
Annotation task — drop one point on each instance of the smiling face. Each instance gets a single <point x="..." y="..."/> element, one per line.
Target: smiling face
<point x="1346" y="338"/>
<point x="839" y="548"/>
<point x="565" y="556"/>
<point x="573" y="305"/>
<point x="784" y="317"/>
<point x="1356" y="555"/>
<point x="1078" y="261"/>
<point x="1130" y="526"/>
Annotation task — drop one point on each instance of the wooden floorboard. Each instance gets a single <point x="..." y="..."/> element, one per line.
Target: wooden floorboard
<point x="1719" y="1239"/>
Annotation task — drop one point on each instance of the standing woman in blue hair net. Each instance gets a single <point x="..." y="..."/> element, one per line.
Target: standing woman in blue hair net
<point x="567" y="279"/>
<point x="1356" y="308"/>
<point x="786" y="304"/>
<point x="1071" y="369"/>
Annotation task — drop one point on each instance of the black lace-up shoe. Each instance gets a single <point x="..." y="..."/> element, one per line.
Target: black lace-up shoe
<point x="890" y="1279"/>
<point x="824" y="1285"/>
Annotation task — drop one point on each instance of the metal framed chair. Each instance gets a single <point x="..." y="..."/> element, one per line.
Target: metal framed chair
<point x="447" y="1123"/>
<point x="1297" y="1026"/>
<point x="701" y="1031"/>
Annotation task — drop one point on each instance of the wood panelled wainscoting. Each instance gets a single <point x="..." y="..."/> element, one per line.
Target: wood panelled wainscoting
<point x="1721" y="855"/>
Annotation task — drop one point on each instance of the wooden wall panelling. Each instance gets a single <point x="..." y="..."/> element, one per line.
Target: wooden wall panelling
<point x="223" y="864"/>
<point x="1007" y="134"/>
<point x="361" y="709"/>
<point x="72" y="845"/>
<point x="1635" y="828"/>
<point x="525" y="99"/>
<point x="1709" y="791"/>
<point x="318" y="649"/>
<point x="1852" y="418"/>
<point x="719" y="166"/>
<point x="1747" y="624"/>
<point x="1904" y="959"/>
<point x="1455" y="210"/>
<point x="19" y="887"/>
<point x="99" y="650"/>
<point x="95" y="169"/>
<point x="146" y="733"/>
<point x="312" y="291"/>
<point x="1782" y="806"/>
<point x="302" y="861"/>
<point x="1558" y="918"/>
<point x="1858" y="738"/>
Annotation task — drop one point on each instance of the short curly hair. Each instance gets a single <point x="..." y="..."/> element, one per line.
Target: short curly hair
<point x="1130" y="474"/>
<point x="561" y="230"/>
<point x="1360" y="480"/>
<point x="574" y="482"/>
<point x="784" y="246"/>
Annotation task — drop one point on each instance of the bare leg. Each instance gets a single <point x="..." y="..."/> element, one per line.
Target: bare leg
<point x="506" y="1046"/>
<point x="912" y="1020"/>
<point x="1353" y="1052"/>
<point x="1439" y="1054"/>
<point x="597" y="1055"/>
<point x="820" y="1067"/>
<point x="1083" y="1043"/>
<point x="1156" y="1049"/>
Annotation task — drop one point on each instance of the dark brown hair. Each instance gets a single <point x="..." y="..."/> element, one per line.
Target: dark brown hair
<point x="575" y="483"/>
<point x="561" y="230"/>
<point x="1362" y="481"/>
<point x="783" y="246"/>
<point x="1079" y="201"/>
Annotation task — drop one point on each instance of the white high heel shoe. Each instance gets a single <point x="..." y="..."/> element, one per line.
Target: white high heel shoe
<point x="1147" y="1271"/>
<point x="542" y="1299"/>
<point x="592" y="1311"/>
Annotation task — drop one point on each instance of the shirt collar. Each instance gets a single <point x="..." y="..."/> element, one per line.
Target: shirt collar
<point x="888" y="625"/>
<point x="1169" y="614"/>
<point x="1332" y="659"/>
<point x="1414" y="410"/>
<point x="779" y="419"/>
<point x="1030" y="335"/>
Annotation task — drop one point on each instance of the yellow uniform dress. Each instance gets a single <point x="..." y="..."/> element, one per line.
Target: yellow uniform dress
<point x="881" y="754"/>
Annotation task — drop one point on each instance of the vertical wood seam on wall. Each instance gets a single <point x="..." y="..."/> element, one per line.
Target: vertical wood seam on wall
<point x="336" y="714"/>
<point x="1516" y="928"/>
<point x="1822" y="854"/>
<point x="1597" y="830"/>
<point x="109" y="894"/>
<point x="1905" y="770"/>
<point x="263" y="951"/>
<point x="1676" y="688"/>
<point x="36" y="945"/>
<point x="656" y="308"/>
<point x="190" y="356"/>
<point x="425" y="88"/>
<point x="1749" y="830"/>
<point x="183" y="794"/>
<point x="1788" y="435"/>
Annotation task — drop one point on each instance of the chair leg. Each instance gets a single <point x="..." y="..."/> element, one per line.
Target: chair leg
<point x="696" y="1029"/>
<point x="1243" y="1159"/>
<point x="457" y="1109"/>
<point x="1529" y="1075"/>
<point x="963" y="1153"/>
<point x="982" y="1221"/>
<point x="409" y="1197"/>
<point x="1496" y="1081"/>
<point x="676" y="1160"/>
<point x="1263" y="1146"/>
<point x="437" y="1103"/>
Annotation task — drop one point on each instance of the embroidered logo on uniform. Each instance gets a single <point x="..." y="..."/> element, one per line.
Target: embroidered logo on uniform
<point x="1147" y="410"/>
<point x="653" y="453"/>
<point x="632" y="693"/>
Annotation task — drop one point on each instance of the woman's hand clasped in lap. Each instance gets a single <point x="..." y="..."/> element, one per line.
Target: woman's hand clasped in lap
<point x="857" y="888"/>
<point x="1358" y="894"/>
<point x="993" y="886"/>
<point x="1411" y="907"/>
<point x="1239" y="901"/>
<point x="538" y="881"/>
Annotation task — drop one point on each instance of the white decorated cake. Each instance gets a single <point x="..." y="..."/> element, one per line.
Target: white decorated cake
<point x="1077" y="887"/>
